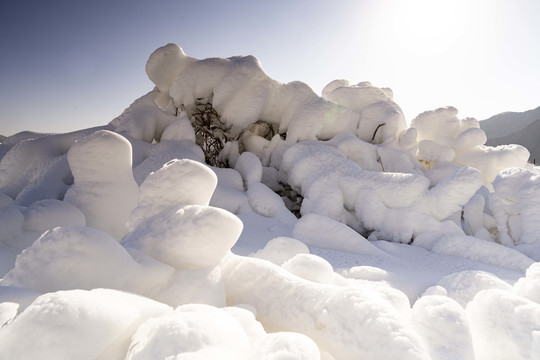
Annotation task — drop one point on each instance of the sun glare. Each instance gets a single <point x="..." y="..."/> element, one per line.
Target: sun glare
<point x="430" y="27"/>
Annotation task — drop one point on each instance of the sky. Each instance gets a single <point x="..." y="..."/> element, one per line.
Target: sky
<point x="67" y="65"/>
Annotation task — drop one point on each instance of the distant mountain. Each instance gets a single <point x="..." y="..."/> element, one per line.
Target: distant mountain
<point x="521" y="128"/>
<point x="508" y="122"/>
<point x="529" y="136"/>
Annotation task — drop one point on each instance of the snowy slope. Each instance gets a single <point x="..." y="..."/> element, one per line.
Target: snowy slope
<point x="225" y="215"/>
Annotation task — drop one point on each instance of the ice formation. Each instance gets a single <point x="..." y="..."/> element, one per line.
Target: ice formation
<point x="321" y="227"/>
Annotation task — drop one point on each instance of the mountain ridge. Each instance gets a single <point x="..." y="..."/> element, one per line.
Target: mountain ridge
<point x="529" y="136"/>
<point x="521" y="128"/>
<point x="505" y="123"/>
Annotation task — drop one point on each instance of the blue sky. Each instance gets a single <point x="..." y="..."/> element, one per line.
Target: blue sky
<point x="67" y="65"/>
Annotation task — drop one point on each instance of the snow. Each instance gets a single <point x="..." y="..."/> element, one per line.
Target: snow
<point x="335" y="232"/>
<point x="529" y="285"/>
<point x="164" y="64"/>
<point x="143" y="120"/>
<point x="515" y="327"/>
<point x="464" y="285"/>
<point x="250" y="167"/>
<point x="281" y="249"/>
<point x="77" y="324"/>
<point x="72" y="257"/>
<point x="435" y="317"/>
<point x="104" y="188"/>
<point x="283" y="345"/>
<point x="170" y="236"/>
<point x="161" y="191"/>
<point x="202" y="331"/>
<point x="179" y="129"/>
<point x="337" y="318"/>
<point x="321" y="231"/>
<point x="46" y="214"/>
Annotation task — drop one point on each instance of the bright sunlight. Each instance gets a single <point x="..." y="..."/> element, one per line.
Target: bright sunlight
<point x="428" y="27"/>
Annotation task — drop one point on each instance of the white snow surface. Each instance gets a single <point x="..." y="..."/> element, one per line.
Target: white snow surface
<point x="336" y="233"/>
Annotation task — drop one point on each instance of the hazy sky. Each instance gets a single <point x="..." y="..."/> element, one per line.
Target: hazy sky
<point x="67" y="65"/>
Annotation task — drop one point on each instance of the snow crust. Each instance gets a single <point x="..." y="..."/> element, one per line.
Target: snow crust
<point x="335" y="232"/>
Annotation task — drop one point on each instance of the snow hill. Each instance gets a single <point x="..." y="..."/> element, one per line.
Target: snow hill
<point x="515" y="128"/>
<point x="225" y="215"/>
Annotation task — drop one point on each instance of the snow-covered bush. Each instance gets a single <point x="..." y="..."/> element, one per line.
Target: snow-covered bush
<point x="170" y="231"/>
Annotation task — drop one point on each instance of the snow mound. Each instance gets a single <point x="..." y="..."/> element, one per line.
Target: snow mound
<point x="310" y="267"/>
<point x="177" y="183"/>
<point x="73" y="257"/>
<point x="515" y="327"/>
<point x="516" y="205"/>
<point x="46" y="214"/>
<point x="143" y="120"/>
<point x="481" y="250"/>
<point x="341" y="320"/>
<point x="11" y="220"/>
<point x="36" y="168"/>
<point x="188" y="237"/>
<point x="529" y="286"/>
<point x="464" y="285"/>
<point x="435" y="317"/>
<point x="165" y="63"/>
<point x="194" y="331"/>
<point x="284" y="345"/>
<point x="104" y="188"/>
<point x="281" y="249"/>
<point x="77" y="324"/>
<point x="378" y="113"/>
<point x="317" y="230"/>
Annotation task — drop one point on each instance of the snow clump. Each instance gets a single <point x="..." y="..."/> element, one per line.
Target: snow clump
<point x="102" y="161"/>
